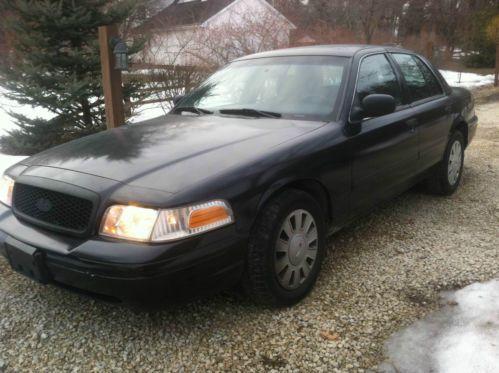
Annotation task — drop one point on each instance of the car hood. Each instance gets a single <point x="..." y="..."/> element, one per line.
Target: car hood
<point x="172" y="152"/>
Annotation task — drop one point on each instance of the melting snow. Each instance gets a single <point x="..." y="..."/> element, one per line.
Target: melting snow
<point x="463" y="337"/>
<point x="467" y="80"/>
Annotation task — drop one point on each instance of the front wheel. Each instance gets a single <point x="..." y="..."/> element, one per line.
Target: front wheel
<point x="447" y="176"/>
<point x="285" y="249"/>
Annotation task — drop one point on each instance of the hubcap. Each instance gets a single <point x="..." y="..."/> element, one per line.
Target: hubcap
<point x="296" y="249"/>
<point x="455" y="162"/>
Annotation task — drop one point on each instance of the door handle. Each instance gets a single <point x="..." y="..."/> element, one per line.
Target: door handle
<point x="412" y="123"/>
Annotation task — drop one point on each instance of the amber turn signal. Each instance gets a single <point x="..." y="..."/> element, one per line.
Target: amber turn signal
<point x="192" y="220"/>
<point x="207" y="216"/>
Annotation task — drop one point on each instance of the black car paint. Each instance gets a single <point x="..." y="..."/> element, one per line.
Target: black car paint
<point x="177" y="160"/>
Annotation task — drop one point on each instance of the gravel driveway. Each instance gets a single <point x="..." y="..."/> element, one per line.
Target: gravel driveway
<point x="380" y="274"/>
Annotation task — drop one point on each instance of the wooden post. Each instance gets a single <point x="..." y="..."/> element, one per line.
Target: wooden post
<point x="111" y="79"/>
<point x="493" y="35"/>
<point x="496" y="73"/>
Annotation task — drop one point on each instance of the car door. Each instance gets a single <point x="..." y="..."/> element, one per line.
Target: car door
<point x="432" y="108"/>
<point x="385" y="151"/>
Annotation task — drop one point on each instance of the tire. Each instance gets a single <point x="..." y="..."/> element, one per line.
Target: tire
<point x="268" y="243"/>
<point x="447" y="175"/>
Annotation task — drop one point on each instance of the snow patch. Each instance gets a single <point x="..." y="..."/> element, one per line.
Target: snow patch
<point x="463" y="337"/>
<point x="144" y="112"/>
<point x="8" y="160"/>
<point x="466" y="80"/>
<point x="7" y="122"/>
<point x="148" y="111"/>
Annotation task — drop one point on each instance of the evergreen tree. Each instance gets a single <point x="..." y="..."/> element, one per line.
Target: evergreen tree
<point x="481" y="48"/>
<point x="55" y="64"/>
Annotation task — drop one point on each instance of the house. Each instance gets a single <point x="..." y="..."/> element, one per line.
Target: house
<point x="213" y="32"/>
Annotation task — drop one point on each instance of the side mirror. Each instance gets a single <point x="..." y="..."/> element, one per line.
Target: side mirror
<point x="177" y="99"/>
<point x="377" y="105"/>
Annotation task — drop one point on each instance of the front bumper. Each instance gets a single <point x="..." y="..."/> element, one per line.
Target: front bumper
<point x="132" y="272"/>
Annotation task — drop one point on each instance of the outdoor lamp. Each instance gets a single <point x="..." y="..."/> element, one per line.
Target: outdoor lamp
<point x="120" y="51"/>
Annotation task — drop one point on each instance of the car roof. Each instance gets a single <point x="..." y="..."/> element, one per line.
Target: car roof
<point x="339" y="50"/>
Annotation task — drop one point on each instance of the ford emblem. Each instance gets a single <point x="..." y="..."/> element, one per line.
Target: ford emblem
<point x="43" y="204"/>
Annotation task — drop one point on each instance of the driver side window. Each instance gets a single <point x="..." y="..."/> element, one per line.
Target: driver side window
<point x="376" y="76"/>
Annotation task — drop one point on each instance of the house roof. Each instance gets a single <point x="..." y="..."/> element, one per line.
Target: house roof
<point x="187" y="13"/>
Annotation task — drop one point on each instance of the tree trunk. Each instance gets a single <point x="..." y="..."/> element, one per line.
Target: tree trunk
<point x="429" y="50"/>
<point x="496" y="78"/>
<point x="87" y="115"/>
<point x="368" y="34"/>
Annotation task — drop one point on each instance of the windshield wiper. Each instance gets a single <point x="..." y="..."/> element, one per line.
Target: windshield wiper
<point x="251" y="113"/>
<point x="192" y="109"/>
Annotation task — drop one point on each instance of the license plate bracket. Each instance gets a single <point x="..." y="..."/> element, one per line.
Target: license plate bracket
<point x="26" y="260"/>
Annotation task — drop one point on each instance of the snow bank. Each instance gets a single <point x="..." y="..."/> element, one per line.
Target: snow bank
<point x="8" y="160"/>
<point x="466" y="80"/>
<point x="461" y="338"/>
<point x="144" y="112"/>
<point x="148" y="111"/>
<point x="6" y="105"/>
<point x="7" y="123"/>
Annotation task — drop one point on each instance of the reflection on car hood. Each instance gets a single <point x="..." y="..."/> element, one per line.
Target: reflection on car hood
<point x="172" y="152"/>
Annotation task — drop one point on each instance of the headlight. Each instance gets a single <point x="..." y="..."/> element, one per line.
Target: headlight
<point x="6" y="188"/>
<point x="129" y="222"/>
<point x="145" y="224"/>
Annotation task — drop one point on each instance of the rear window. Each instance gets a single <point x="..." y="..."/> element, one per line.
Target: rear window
<point x="420" y="80"/>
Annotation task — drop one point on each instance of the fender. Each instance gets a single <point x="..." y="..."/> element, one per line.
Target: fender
<point x="462" y="125"/>
<point x="310" y="185"/>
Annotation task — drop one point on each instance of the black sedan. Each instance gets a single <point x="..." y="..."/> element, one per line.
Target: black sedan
<point x="242" y="182"/>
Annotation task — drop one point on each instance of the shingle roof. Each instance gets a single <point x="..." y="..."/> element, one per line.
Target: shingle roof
<point x="187" y="13"/>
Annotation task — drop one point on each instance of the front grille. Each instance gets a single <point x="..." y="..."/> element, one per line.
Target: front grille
<point x="57" y="209"/>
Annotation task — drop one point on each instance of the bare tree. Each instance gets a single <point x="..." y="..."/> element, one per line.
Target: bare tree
<point x="166" y="67"/>
<point x="493" y="35"/>
<point x="364" y="18"/>
<point x="371" y="16"/>
<point x="447" y="16"/>
<point x="178" y="57"/>
<point x="244" y="33"/>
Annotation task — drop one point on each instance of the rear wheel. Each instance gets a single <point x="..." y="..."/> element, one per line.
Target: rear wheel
<point x="447" y="176"/>
<point x="285" y="249"/>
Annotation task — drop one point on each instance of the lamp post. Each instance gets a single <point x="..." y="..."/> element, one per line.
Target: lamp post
<point x="113" y="54"/>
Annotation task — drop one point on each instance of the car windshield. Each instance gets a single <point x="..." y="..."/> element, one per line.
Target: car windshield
<point x="304" y="87"/>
